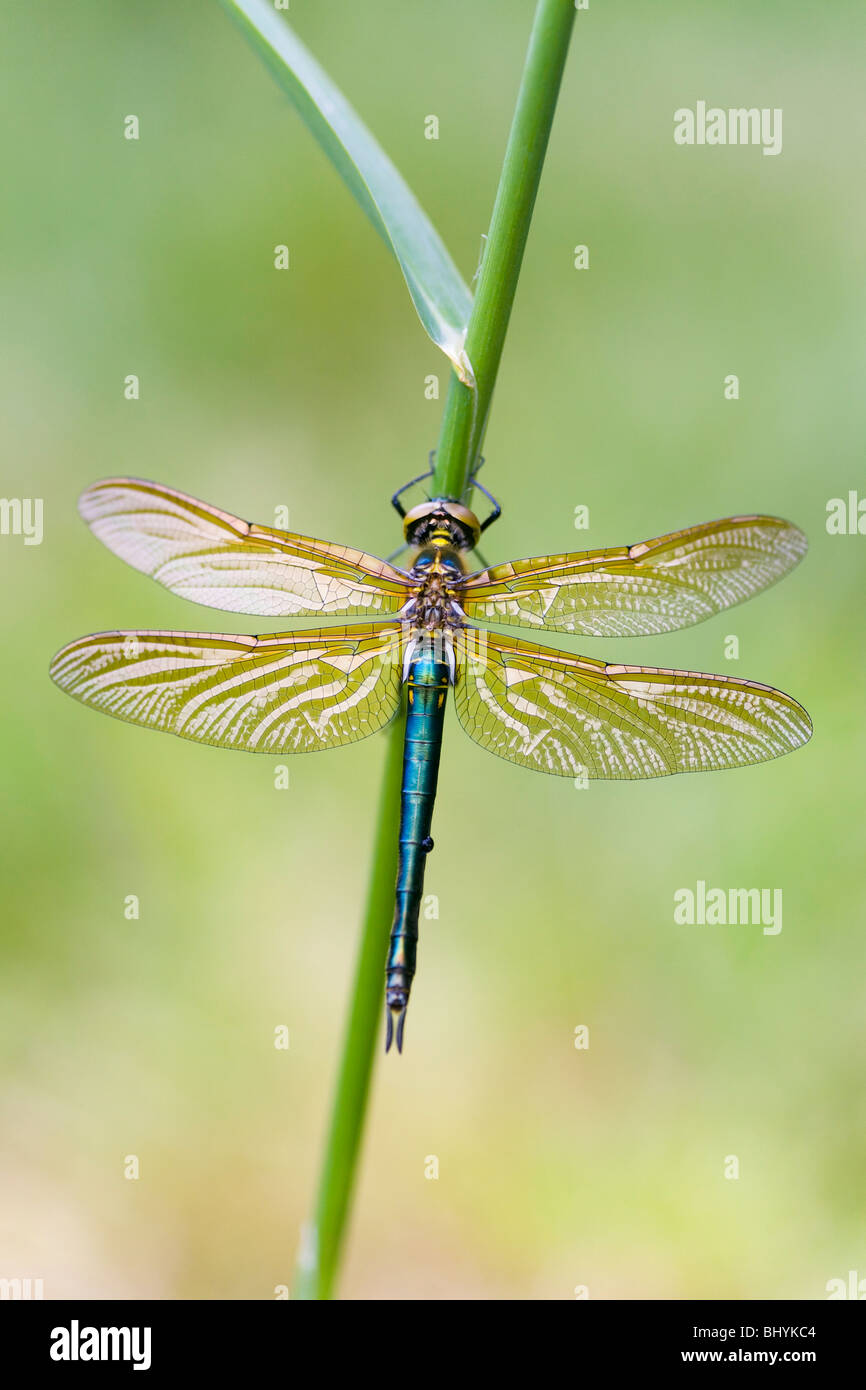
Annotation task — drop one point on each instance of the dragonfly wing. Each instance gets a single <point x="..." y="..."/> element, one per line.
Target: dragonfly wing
<point x="576" y="717"/>
<point x="290" y="693"/>
<point x="657" y="586"/>
<point x="219" y="560"/>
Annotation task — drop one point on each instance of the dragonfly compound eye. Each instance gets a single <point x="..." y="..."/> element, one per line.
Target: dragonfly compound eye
<point x="444" y="520"/>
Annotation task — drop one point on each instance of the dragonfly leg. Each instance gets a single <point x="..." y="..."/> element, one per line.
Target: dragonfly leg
<point x="398" y="505"/>
<point x="497" y="510"/>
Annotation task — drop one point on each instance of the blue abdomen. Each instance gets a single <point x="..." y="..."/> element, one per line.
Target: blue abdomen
<point x="426" y="688"/>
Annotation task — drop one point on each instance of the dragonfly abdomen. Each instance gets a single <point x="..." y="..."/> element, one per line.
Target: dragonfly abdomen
<point x="426" y="688"/>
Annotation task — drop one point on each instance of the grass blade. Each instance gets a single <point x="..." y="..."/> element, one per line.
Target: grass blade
<point x="438" y="292"/>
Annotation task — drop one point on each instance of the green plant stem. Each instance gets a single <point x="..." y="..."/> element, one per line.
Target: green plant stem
<point x="464" y="420"/>
<point x="322" y="1242"/>
<point x="463" y="425"/>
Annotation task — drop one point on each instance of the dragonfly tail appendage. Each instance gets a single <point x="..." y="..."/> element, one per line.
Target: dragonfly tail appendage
<point x="395" y="1019"/>
<point x="404" y="946"/>
<point x="403" y="951"/>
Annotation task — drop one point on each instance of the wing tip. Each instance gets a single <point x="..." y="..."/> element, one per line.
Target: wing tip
<point x="104" y="484"/>
<point x="796" y="540"/>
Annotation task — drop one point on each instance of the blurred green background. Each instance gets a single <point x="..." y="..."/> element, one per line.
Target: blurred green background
<point x="557" y="1167"/>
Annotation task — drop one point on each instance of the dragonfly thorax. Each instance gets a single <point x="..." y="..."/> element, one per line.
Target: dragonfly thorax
<point x="439" y="575"/>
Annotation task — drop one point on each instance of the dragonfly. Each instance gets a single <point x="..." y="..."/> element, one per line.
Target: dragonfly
<point x="542" y="708"/>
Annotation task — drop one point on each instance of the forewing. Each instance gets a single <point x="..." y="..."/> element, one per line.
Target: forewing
<point x="207" y="555"/>
<point x="574" y="717"/>
<point x="657" y="586"/>
<point x="283" y="694"/>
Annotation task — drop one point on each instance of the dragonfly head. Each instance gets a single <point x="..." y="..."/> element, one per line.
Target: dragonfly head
<point x="441" y="522"/>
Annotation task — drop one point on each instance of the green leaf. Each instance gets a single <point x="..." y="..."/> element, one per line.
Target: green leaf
<point x="438" y="292"/>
